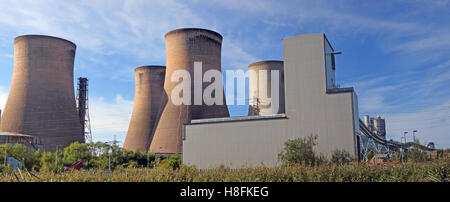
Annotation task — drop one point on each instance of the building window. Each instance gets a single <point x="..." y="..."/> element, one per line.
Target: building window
<point x="333" y="64"/>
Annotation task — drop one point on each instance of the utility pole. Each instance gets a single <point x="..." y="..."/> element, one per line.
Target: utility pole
<point x="404" y="135"/>
<point x="111" y="148"/>
<point x="109" y="159"/>
<point x="5" y="151"/>
<point x="147" y="160"/>
<point x="414" y="135"/>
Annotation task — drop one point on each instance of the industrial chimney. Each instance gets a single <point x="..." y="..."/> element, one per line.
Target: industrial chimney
<point x="41" y="101"/>
<point x="257" y="104"/>
<point x="183" y="48"/>
<point x="149" y="89"/>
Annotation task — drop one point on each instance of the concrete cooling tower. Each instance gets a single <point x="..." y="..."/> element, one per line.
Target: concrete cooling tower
<point x="183" y="48"/>
<point x="41" y="100"/>
<point x="147" y="101"/>
<point x="258" y="103"/>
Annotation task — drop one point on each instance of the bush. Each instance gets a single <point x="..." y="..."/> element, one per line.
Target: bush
<point x="341" y="157"/>
<point x="416" y="155"/>
<point x="172" y="162"/>
<point x="300" y="150"/>
<point x="93" y="155"/>
<point x="5" y="168"/>
<point x="29" y="158"/>
<point x="48" y="161"/>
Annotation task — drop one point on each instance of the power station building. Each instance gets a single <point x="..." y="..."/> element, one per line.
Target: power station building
<point x="376" y="125"/>
<point x="41" y="101"/>
<point x="314" y="104"/>
<point x="149" y="90"/>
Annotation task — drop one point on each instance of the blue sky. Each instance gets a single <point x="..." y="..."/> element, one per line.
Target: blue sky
<point x="395" y="53"/>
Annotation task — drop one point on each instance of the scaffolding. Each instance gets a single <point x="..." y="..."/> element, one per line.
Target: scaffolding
<point x="83" y="108"/>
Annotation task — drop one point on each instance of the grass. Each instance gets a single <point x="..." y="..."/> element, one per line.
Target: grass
<point x="437" y="171"/>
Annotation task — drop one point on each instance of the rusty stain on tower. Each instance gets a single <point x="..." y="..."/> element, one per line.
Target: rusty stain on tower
<point x="149" y="89"/>
<point x="183" y="48"/>
<point x="41" y="101"/>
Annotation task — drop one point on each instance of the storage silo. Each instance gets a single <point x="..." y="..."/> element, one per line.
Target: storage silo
<point x="149" y="89"/>
<point x="41" y="101"/>
<point x="368" y="122"/>
<point x="183" y="48"/>
<point x="379" y="126"/>
<point x="259" y="103"/>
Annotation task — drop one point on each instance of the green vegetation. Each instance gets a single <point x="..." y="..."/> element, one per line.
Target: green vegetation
<point x="417" y="155"/>
<point x="300" y="150"/>
<point x="300" y="164"/>
<point x="437" y="171"/>
<point x="172" y="162"/>
<point x="93" y="155"/>
<point x="341" y="157"/>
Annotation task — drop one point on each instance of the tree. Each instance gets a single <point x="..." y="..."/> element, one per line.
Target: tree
<point x="49" y="161"/>
<point x="29" y="158"/>
<point x="300" y="150"/>
<point x="76" y="152"/>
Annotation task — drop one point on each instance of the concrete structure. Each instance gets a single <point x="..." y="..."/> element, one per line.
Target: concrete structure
<point x="368" y="122"/>
<point x="261" y="95"/>
<point x="314" y="105"/>
<point x="41" y="100"/>
<point x="380" y="126"/>
<point x="376" y="125"/>
<point x="183" y="48"/>
<point x="149" y="89"/>
<point x="31" y="142"/>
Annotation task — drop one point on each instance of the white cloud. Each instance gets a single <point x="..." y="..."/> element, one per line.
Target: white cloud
<point x="109" y="118"/>
<point x="3" y="97"/>
<point x="432" y="123"/>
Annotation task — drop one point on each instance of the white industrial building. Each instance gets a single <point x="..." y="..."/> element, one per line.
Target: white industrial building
<point x="314" y="104"/>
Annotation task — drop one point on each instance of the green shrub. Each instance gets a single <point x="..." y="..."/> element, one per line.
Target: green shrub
<point x="48" y="161"/>
<point x="341" y="156"/>
<point x="171" y="162"/>
<point x="5" y="168"/>
<point x="76" y="152"/>
<point x="417" y="155"/>
<point x="300" y="150"/>
<point x="29" y="158"/>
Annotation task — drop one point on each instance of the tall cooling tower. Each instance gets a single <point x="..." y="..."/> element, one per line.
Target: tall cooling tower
<point x="147" y="101"/>
<point x="41" y="100"/>
<point x="183" y="48"/>
<point x="258" y="103"/>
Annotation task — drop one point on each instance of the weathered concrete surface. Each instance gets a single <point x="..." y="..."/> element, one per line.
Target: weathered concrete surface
<point x="41" y="101"/>
<point x="183" y="48"/>
<point x="149" y="90"/>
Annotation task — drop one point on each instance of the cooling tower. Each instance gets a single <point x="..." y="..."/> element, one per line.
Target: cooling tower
<point x="149" y="89"/>
<point x="183" y="48"/>
<point x="258" y="104"/>
<point x="41" y="100"/>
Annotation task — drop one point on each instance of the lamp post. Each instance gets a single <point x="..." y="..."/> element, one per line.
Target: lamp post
<point x="147" y="160"/>
<point x="404" y="135"/>
<point x="56" y="161"/>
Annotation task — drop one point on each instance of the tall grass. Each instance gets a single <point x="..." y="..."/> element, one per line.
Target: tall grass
<point x="410" y="172"/>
